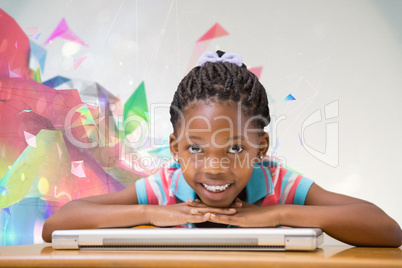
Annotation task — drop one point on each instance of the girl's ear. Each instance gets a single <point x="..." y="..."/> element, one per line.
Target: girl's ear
<point x="264" y="145"/>
<point x="174" y="146"/>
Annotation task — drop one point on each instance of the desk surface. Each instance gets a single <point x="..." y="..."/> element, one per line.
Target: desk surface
<point x="43" y="255"/>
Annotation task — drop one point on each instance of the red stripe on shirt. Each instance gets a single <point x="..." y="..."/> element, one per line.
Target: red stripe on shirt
<point x="164" y="179"/>
<point x="278" y="186"/>
<point x="177" y="182"/>
<point x="291" y="195"/>
<point x="270" y="200"/>
<point x="152" y="199"/>
<point x="281" y="174"/>
<point x="266" y="179"/>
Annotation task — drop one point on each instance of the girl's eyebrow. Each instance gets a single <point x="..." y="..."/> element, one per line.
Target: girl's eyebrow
<point x="195" y="138"/>
<point x="240" y="137"/>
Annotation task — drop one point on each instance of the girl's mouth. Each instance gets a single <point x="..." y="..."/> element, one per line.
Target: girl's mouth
<point x="215" y="188"/>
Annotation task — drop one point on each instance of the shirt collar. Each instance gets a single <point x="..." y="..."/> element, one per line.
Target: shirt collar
<point x="259" y="186"/>
<point x="179" y="186"/>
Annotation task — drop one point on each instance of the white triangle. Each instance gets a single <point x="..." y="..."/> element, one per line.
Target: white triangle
<point x="30" y="139"/>
<point x="77" y="169"/>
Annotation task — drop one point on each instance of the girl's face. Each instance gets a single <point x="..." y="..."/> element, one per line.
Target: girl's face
<point x="217" y="147"/>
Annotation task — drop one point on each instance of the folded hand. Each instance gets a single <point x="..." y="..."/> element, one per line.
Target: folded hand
<point x="241" y="214"/>
<point x="178" y="214"/>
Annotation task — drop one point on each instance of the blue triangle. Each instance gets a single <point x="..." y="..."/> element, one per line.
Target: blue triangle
<point x="3" y="190"/>
<point x="39" y="53"/>
<point x="7" y="210"/>
<point x="56" y="81"/>
<point x="289" y="98"/>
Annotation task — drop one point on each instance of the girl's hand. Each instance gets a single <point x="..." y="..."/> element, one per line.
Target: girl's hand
<point x="183" y="213"/>
<point x="248" y="215"/>
<point x="200" y="207"/>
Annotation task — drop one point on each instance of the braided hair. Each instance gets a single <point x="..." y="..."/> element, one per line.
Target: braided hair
<point x="220" y="82"/>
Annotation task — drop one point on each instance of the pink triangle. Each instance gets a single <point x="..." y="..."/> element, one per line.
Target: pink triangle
<point x="256" y="70"/>
<point x="62" y="30"/>
<point x="215" y="31"/>
<point x="77" y="62"/>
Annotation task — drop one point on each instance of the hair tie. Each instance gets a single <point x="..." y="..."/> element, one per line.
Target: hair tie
<point x="213" y="57"/>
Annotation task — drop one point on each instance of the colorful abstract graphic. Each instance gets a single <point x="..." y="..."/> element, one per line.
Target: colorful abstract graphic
<point x="60" y="140"/>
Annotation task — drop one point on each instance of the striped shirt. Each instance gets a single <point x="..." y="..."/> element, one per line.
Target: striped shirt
<point x="270" y="184"/>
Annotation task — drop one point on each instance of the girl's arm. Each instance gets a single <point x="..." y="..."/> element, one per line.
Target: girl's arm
<point x="345" y="218"/>
<point x="108" y="210"/>
<point x="121" y="209"/>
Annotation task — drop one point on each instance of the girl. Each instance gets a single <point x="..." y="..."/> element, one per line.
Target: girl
<point x="221" y="176"/>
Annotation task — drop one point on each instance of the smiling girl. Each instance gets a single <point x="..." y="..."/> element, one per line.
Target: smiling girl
<point x="221" y="176"/>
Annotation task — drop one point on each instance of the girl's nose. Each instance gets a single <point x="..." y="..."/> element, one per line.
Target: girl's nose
<point x="215" y="165"/>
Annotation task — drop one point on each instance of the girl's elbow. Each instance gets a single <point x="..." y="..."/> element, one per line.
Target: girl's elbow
<point x="399" y="236"/>
<point x="395" y="236"/>
<point x="47" y="238"/>
<point x="46" y="234"/>
<point x="47" y="230"/>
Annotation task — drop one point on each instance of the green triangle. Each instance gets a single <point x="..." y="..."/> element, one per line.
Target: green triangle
<point x="37" y="77"/>
<point x="136" y="105"/>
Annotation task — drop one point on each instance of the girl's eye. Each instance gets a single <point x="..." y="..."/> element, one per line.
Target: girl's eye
<point x="235" y="149"/>
<point x="194" y="149"/>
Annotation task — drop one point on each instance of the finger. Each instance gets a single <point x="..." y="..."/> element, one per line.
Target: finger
<point x="224" y="211"/>
<point x="243" y="204"/>
<point x="195" y="211"/>
<point x="200" y="218"/>
<point x="229" y="220"/>
<point x="237" y="203"/>
<point x="189" y="201"/>
<point x="196" y="200"/>
<point x="223" y="219"/>
<point x="236" y="220"/>
<point x="200" y="211"/>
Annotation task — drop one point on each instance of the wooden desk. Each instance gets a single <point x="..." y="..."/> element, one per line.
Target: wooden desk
<point x="43" y="255"/>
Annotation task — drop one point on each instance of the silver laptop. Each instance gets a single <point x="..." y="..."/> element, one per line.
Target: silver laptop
<point x="249" y="239"/>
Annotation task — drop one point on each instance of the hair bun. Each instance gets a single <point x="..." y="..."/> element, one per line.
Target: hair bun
<point x="220" y="56"/>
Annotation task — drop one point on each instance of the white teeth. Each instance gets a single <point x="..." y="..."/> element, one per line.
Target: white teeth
<point x="215" y="189"/>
